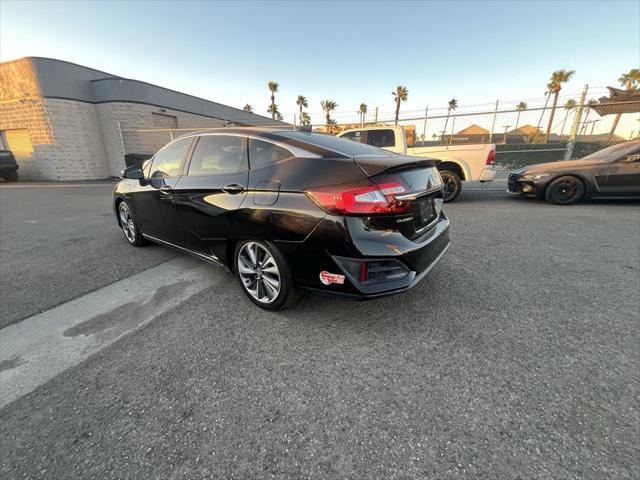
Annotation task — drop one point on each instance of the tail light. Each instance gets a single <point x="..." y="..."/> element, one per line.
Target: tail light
<point x="364" y="198"/>
<point x="490" y="158"/>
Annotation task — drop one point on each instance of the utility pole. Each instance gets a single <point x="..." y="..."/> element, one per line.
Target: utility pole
<point x="294" y="120"/>
<point x="453" y="123"/>
<point x="493" y="124"/>
<point x="504" y="140"/>
<point x="576" y="124"/>
<point x="424" y="128"/>
<point x="376" y="121"/>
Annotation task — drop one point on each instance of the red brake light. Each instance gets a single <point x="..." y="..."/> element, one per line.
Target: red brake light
<point x="364" y="198"/>
<point x="490" y="158"/>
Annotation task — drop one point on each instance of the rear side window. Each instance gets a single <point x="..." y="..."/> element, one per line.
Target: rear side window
<point x="381" y="138"/>
<point x="167" y="161"/>
<point x="218" y="154"/>
<point x="356" y="136"/>
<point x="263" y="153"/>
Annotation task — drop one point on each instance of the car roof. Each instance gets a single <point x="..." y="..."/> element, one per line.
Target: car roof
<point x="245" y="130"/>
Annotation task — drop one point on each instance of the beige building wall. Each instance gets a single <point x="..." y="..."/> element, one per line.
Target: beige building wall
<point x="79" y="140"/>
<point x="136" y="132"/>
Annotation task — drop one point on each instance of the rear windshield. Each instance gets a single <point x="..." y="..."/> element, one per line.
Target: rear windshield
<point x="340" y="145"/>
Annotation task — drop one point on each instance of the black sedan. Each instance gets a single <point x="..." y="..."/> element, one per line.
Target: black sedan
<point x="289" y="210"/>
<point x="610" y="172"/>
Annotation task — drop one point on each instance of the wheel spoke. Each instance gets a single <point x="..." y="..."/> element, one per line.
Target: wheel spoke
<point x="258" y="272"/>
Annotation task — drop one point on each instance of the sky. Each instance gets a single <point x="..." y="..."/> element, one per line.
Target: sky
<point x="349" y="52"/>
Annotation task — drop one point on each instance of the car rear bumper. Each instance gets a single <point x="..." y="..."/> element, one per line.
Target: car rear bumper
<point x="487" y="175"/>
<point x="326" y="250"/>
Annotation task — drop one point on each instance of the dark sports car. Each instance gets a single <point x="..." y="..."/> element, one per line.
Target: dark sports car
<point x="288" y="209"/>
<point x="613" y="171"/>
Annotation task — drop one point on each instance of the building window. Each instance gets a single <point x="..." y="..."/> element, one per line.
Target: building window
<point x="161" y="120"/>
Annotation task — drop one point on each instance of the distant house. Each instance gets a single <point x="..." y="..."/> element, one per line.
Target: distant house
<point x="526" y="130"/>
<point x="473" y="130"/>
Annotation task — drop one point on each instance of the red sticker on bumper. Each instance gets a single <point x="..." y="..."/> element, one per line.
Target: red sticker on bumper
<point x="329" y="278"/>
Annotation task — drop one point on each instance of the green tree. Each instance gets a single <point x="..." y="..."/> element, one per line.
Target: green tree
<point x="248" y="108"/>
<point x="400" y="95"/>
<point x="362" y="111"/>
<point x="630" y="81"/>
<point x="305" y="119"/>
<point x="557" y="79"/>
<point x="302" y="103"/>
<point x="273" y="88"/>
<point x="328" y="106"/>
<point x="569" y="106"/>
<point x="453" y="104"/>
<point x="521" y="107"/>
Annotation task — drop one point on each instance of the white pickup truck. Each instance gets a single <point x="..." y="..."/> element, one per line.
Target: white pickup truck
<point x="458" y="162"/>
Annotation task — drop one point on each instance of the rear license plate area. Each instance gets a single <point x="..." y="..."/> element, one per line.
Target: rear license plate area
<point x="426" y="212"/>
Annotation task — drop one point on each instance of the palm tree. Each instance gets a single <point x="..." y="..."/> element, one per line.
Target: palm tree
<point x="453" y="104"/>
<point x="521" y="107"/>
<point x="544" y="109"/>
<point x="273" y="88"/>
<point x="630" y="81"/>
<point x="400" y="95"/>
<point x="279" y="116"/>
<point x="591" y="103"/>
<point x="557" y="79"/>
<point x="362" y="111"/>
<point x="328" y="106"/>
<point x="569" y="106"/>
<point x="305" y="119"/>
<point x="248" y="108"/>
<point x="301" y="102"/>
<point x="273" y="110"/>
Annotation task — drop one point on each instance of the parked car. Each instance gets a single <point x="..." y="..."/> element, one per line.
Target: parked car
<point x="610" y="172"/>
<point x="458" y="162"/>
<point x="289" y="209"/>
<point x="8" y="166"/>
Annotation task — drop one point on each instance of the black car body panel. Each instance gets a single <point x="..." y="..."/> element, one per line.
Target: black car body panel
<point x="613" y="171"/>
<point x="8" y="164"/>
<point x="208" y="214"/>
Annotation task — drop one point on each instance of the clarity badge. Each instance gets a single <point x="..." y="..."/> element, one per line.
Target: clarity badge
<point x="329" y="278"/>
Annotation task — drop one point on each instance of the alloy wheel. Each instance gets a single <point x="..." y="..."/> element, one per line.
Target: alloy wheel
<point x="126" y="222"/>
<point x="566" y="191"/>
<point x="258" y="272"/>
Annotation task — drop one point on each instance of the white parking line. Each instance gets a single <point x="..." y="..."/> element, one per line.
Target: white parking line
<point x="37" y="349"/>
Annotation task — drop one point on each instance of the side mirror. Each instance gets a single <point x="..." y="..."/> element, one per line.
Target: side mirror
<point x="133" y="172"/>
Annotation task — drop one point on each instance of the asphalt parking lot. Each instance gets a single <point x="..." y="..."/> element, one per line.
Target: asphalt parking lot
<point x="518" y="357"/>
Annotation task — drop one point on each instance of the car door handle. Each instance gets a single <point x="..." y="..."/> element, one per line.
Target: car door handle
<point x="233" y="188"/>
<point x="166" y="190"/>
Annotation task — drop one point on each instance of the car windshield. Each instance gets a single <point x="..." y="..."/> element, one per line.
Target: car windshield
<point x="615" y="152"/>
<point x="341" y="145"/>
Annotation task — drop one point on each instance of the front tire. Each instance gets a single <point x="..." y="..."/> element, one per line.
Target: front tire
<point x="264" y="274"/>
<point x="129" y="225"/>
<point x="452" y="185"/>
<point x="567" y="190"/>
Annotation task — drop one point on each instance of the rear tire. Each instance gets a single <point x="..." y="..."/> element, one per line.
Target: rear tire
<point x="567" y="190"/>
<point x="11" y="176"/>
<point x="452" y="185"/>
<point x="264" y="275"/>
<point x="129" y="226"/>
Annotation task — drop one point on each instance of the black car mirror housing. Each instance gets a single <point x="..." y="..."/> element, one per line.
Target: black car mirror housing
<point x="133" y="172"/>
